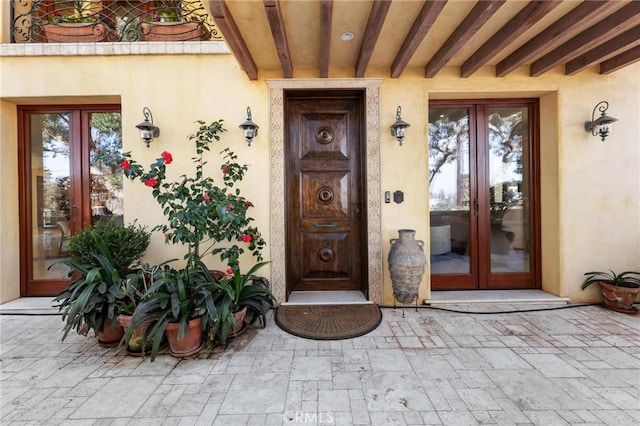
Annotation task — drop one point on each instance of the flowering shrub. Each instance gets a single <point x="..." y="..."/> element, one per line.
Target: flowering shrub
<point x="200" y="213"/>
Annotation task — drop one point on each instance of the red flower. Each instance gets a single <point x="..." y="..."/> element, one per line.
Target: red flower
<point x="247" y="203"/>
<point x="125" y="165"/>
<point x="206" y="197"/>
<point x="229" y="208"/>
<point x="229" y="271"/>
<point x="151" y="182"/>
<point x="230" y="195"/>
<point x="167" y="157"/>
<point x="224" y="169"/>
<point x="96" y="149"/>
<point x="246" y="238"/>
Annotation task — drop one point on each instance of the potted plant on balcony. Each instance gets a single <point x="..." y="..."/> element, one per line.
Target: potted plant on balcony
<point x="171" y="20"/>
<point x="80" y="24"/>
<point x="619" y="291"/>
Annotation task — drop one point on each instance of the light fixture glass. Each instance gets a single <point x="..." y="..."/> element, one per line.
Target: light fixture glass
<point x="147" y="129"/>
<point x="398" y="129"/>
<point x="250" y="128"/>
<point x="347" y="36"/>
<point x="603" y="125"/>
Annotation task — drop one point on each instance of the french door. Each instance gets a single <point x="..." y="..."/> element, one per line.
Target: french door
<point x="483" y="194"/>
<point x="66" y="182"/>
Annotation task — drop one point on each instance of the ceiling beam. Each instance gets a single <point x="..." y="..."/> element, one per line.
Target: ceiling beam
<point x="478" y="16"/>
<point x="223" y="19"/>
<point x="609" y="49"/>
<point x="552" y="34"/>
<point x="592" y="36"/>
<point x="377" y="16"/>
<point x="622" y="60"/>
<point x="517" y="25"/>
<point x="274" y="16"/>
<point x="417" y="33"/>
<point x="326" y="13"/>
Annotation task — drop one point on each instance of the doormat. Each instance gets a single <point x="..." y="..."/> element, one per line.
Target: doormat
<point x="328" y="322"/>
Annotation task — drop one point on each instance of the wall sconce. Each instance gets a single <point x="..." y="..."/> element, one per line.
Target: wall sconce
<point x="250" y="128"/>
<point x="602" y="125"/>
<point x="398" y="128"/>
<point x="147" y="130"/>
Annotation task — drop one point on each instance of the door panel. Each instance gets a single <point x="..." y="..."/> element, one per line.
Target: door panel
<point x="325" y="225"/>
<point x="452" y="183"/>
<point x="64" y="177"/>
<point x="483" y="209"/>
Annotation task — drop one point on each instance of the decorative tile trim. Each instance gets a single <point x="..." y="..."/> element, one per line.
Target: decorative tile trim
<point x="372" y="102"/>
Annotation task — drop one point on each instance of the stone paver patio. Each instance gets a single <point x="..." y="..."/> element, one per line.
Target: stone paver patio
<point x="578" y="366"/>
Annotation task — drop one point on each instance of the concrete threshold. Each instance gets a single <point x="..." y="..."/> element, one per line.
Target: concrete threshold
<point x="460" y="297"/>
<point x="29" y="306"/>
<point x="346" y="297"/>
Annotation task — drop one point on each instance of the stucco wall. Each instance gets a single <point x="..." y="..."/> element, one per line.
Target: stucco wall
<point x="590" y="189"/>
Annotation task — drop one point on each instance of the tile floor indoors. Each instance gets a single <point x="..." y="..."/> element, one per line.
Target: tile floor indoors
<point x="577" y="366"/>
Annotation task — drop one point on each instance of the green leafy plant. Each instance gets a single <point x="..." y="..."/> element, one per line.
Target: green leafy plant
<point x="200" y="213"/>
<point x="176" y="296"/>
<point x="238" y="292"/>
<point x="95" y="293"/>
<point x="126" y="244"/>
<point x="629" y="279"/>
<point x="81" y="12"/>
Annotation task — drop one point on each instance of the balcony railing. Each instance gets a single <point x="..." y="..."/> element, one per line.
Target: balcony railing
<point x="47" y="21"/>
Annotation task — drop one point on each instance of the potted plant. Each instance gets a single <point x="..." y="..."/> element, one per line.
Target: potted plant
<point x="206" y="218"/>
<point x="170" y="20"/>
<point x="619" y="291"/>
<point x="80" y="24"/>
<point x="100" y="260"/>
<point x="239" y="294"/>
<point x="179" y="304"/>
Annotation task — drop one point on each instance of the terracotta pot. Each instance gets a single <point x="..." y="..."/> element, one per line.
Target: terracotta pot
<point x="173" y="31"/>
<point x="135" y="341"/>
<point x="77" y="32"/>
<point x="191" y="342"/>
<point x="239" y="321"/>
<point x="111" y="334"/>
<point x="619" y="299"/>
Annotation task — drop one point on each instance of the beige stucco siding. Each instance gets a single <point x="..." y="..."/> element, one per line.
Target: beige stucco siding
<point x="590" y="189"/>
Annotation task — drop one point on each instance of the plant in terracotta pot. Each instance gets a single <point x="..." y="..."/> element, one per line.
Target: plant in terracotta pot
<point x="619" y="291"/>
<point x="77" y="21"/>
<point x="206" y="216"/>
<point x="238" y="295"/>
<point x="101" y="258"/>
<point x="179" y="304"/>
<point x="173" y="20"/>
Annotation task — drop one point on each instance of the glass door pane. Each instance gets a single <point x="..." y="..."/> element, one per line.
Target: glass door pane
<point x="106" y="184"/>
<point x="449" y="190"/>
<point x="50" y="194"/>
<point x="509" y="189"/>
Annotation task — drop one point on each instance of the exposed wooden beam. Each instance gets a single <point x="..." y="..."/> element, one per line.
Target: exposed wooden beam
<point x="609" y="49"/>
<point x="478" y="16"/>
<point x="274" y="16"/>
<point x="613" y="24"/>
<point x="622" y="60"/>
<point x="556" y="31"/>
<point x="517" y="25"/>
<point x="223" y="19"/>
<point x="326" y="13"/>
<point x="417" y="33"/>
<point x="377" y="16"/>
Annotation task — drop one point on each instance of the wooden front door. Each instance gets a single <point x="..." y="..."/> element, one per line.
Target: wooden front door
<point x="324" y="203"/>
